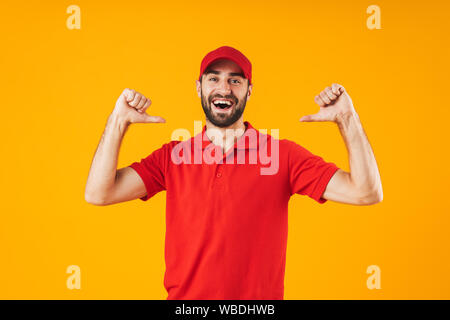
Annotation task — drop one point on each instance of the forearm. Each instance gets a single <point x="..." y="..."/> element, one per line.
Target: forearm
<point x="103" y="170"/>
<point x="364" y="172"/>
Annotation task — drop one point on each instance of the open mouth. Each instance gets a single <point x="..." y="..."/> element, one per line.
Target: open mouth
<point x="222" y="104"/>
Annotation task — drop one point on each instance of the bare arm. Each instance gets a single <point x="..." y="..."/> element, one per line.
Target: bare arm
<point x="362" y="185"/>
<point x="105" y="184"/>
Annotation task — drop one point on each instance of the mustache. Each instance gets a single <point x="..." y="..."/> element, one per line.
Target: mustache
<point x="231" y="97"/>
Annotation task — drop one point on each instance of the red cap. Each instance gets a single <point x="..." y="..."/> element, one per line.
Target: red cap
<point x="229" y="53"/>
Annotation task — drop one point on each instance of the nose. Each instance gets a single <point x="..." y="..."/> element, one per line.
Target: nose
<point x="224" y="87"/>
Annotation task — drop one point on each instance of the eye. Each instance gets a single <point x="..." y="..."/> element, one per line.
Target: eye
<point x="235" y="81"/>
<point x="212" y="78"/>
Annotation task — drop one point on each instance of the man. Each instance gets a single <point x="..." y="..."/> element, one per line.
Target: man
<point x="227" y="220"/>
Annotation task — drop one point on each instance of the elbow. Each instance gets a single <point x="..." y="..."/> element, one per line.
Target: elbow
<point x="376" y="198"/>
<point x="372" y="198"/>
<point x="95" y="200"/>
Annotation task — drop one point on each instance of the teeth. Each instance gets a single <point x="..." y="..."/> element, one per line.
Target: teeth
<point x="222" y="102"/>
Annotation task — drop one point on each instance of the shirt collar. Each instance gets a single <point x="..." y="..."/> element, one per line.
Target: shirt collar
<point x="241" y="144"/>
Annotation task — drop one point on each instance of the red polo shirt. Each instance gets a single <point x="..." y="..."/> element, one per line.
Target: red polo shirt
<point x="227" y="223"/>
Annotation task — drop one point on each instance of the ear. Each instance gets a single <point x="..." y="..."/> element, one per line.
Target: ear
<point x="199" y="88"/>
<point x="250" y="87"/>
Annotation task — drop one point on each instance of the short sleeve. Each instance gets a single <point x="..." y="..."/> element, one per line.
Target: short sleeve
<point x="309" y="174"/>
<point x="152" y="171"/>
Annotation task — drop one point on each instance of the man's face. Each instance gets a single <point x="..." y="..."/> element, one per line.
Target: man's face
<point x="224" y="92"/>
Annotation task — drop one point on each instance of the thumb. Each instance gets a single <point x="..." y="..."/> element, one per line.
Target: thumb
<point x="310" y="118"/>
<point x="152" y="119"/>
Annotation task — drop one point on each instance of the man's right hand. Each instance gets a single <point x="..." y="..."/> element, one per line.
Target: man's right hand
<point x="131" y="107"/>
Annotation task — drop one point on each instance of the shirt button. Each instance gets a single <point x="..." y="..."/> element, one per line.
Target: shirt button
<point x="219" y="175"/>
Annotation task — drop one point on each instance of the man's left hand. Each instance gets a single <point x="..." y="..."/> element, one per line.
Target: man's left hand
<point x="334" y="103"/>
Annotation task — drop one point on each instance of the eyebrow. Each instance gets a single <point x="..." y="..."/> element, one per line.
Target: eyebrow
<point x="233" y="74"/>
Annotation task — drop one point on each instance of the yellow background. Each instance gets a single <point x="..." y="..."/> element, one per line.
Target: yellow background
<point x="59" y="86"/>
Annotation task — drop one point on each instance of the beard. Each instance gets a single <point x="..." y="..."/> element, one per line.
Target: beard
<point x="223" y="120"/>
